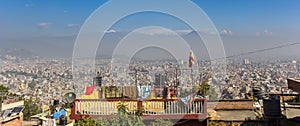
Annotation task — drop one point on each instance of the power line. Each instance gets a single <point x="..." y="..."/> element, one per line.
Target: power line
<point x="257" y="51"/>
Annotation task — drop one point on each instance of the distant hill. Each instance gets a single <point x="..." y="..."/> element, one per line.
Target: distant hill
<point x="20" y="53"/>
<point x="62" y="46"/>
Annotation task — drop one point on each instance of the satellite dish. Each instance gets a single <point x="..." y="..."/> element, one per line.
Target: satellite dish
<point x="69" y="97"/>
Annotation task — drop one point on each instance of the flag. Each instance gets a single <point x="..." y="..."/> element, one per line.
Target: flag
<point x="89" y="89"/>
<point x="144" y="91"/>
<point x="191" y="59"/>
<point x="21" y="87"/>
<point x="186" y="100"/>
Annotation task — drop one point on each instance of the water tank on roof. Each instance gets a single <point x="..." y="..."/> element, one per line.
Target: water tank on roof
<point x="258" y="93"/>
<point x="98" y="80"/>
<point x="271" y="106"/>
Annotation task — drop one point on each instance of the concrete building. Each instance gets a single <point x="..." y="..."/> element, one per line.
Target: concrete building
<point x="160" y="80"/>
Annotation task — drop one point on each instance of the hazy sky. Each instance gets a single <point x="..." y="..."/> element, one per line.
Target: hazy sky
<point x="244" y="25"/>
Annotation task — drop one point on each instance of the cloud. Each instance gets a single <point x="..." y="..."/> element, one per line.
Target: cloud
<point x="226" y="32"/>
<point x="44" y="25"/>
<point x="209" y="31"/>
<point x="110" y="31"/>
<point x="72" y="25"/>
<point x="183" y="31"/>
<point x="161" y="31"/>
<point x="264" y="33"/>
<point x="156" y="31"/>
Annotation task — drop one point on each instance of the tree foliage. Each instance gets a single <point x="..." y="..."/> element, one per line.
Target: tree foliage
<point x="122" y="108"/>
<point x="212" y="93"/>
<point x="3" y="88"/>
<point x="203" y="87"/>
<point x="140" y="111"/>
<point x="87" y="122"/>
<point x="31" y="108"/>
<point x="161" y="122"/>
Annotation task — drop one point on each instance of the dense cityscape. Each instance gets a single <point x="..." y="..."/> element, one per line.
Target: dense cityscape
<point x="48" y="79"/>
<point x="149" y="63"/>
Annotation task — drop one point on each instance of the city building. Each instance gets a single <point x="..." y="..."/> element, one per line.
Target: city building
<point x="160" y="79"/>
<point x="247" y="62"/>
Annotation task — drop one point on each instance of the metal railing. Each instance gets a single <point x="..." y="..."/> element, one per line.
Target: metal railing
<point x="150" y="106"/>
<point x="102" y="106"/>
<point x="171" y="106"/>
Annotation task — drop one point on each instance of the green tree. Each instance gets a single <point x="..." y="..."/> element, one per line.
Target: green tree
<point x="161" y="122"/>
<point x="203" y="87"/>
<point x="212" y="93"/>
<point x="3" y="88"/>
<point x="140" y="111"/>
<point x="122" y="108"/>
<point x="115" y="122"/>
<point x="87" y="122"/>
<point x="103" y="121"/>
<point x="31" y="108"/>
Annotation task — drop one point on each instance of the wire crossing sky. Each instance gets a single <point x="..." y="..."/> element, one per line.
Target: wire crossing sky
<point x="258" y="51"/>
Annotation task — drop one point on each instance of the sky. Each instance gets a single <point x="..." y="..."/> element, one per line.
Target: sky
<point x="268" y="22"/>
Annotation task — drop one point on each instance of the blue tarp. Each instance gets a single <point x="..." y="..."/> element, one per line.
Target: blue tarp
<point x="56" y="115"/>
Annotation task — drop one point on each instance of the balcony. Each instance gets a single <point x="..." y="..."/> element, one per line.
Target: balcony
<point x="154" y="108"/>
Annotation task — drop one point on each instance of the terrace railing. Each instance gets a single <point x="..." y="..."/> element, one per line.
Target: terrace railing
<point x="153" y="108"/>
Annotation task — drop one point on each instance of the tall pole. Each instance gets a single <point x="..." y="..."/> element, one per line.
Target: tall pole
<point x="135" y="77"/>
<point x="176" y="74"/>
<point x="136" y="85"/>
<point x="141" y="84"/>
<point x="283" y="101"/>
<point x="200" y="77"/>
<point x="192" y="76"/>
<point x="166" y="76"/>
<point x="166" y="72"/>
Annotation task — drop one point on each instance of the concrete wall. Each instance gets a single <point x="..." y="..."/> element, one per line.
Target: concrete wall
<point x="294" y="84"/>
<point x="12" y="105"/>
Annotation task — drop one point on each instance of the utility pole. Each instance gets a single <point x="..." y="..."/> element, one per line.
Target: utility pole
<point x="176" y="74"/>
<point x="166" y="72"/>
<point x="136" y="85"/>
<point x="135" y="77"/>
<point x="192" y="76"/>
